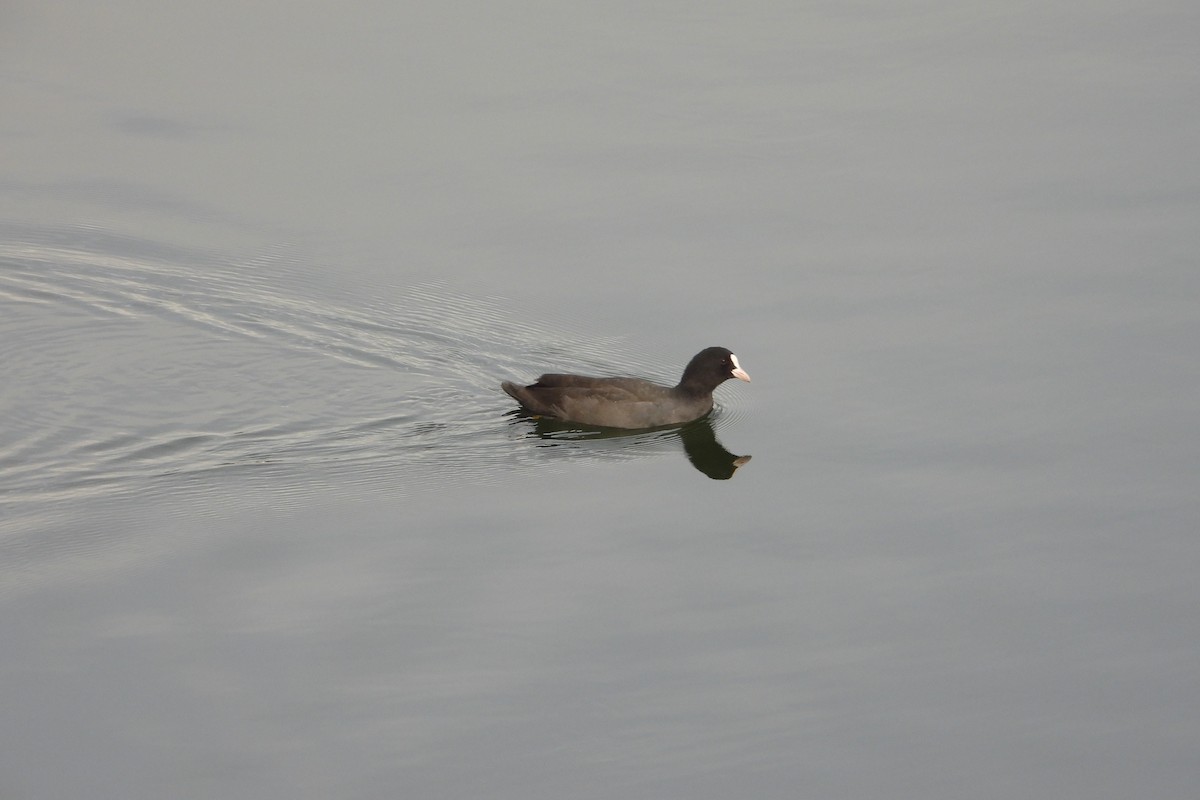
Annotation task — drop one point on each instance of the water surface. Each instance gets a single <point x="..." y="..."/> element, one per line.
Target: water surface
<point x="268" y="527"/>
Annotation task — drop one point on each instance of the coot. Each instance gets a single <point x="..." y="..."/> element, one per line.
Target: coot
<point x="631" y="402"/>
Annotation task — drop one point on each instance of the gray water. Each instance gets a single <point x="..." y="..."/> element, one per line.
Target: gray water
<point x="268" y="527"/>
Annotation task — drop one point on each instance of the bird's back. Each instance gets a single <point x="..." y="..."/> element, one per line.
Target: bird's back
<point x="606" y="402"/>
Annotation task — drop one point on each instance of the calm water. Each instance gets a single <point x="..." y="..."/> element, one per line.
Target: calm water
<point x="268" y="527"/>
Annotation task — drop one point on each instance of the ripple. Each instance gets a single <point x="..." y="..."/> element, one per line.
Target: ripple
<point x="135" y="368"/>
<point x="139" y="376"/>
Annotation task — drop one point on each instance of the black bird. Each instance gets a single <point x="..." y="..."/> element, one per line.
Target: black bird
<point x="631" y="402"/>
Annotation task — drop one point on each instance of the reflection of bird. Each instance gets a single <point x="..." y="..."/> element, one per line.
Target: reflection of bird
<point x="699" y="441"/>
<point x="631" y="402"/>
<point x="707" y="454"/>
